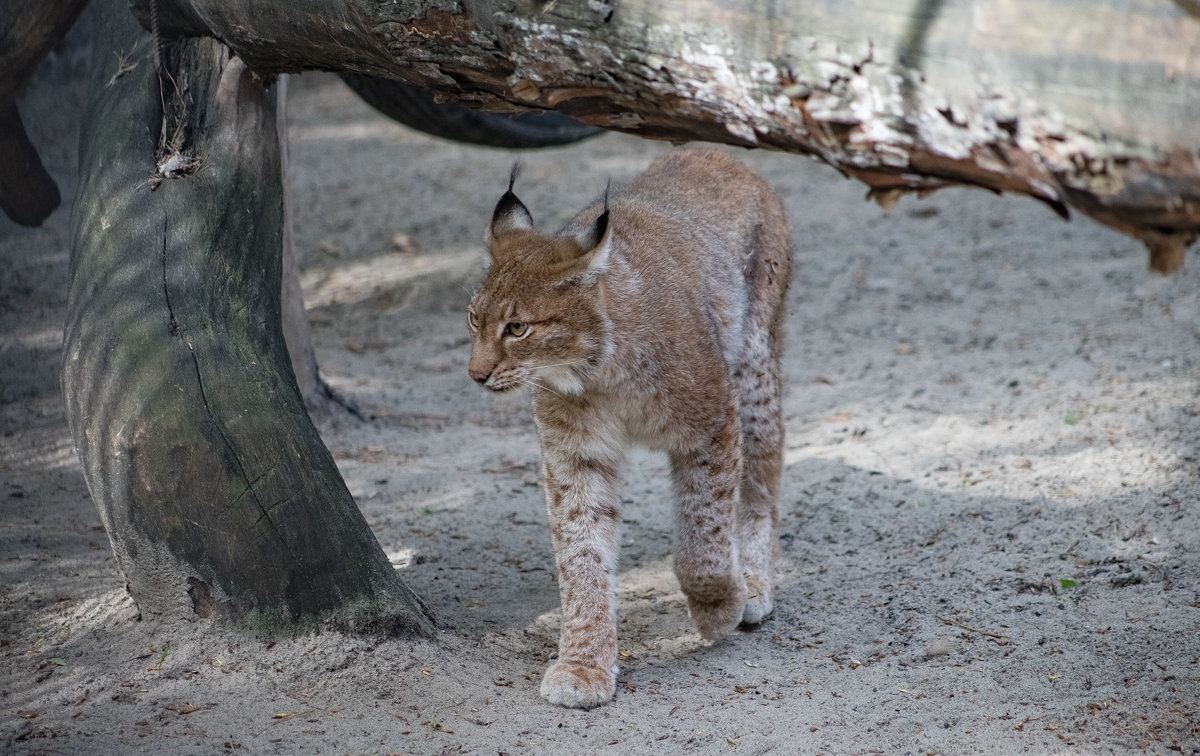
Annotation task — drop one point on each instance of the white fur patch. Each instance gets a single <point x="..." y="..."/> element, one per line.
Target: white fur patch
<point x="560" y="379"/>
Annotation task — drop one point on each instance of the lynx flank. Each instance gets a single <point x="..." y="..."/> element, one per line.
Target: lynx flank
<point x="653" y="319"/>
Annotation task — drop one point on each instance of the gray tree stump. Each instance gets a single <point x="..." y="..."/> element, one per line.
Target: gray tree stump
<point x="218" y="496"/>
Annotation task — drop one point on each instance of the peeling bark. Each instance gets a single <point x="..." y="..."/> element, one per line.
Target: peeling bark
<point x="1085" y="106"/>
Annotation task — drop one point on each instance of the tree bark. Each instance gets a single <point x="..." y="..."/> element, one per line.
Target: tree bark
<point x="218" y="496"/>
<point x="1091" y="106"/>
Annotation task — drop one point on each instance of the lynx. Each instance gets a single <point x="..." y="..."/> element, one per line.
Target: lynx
<point x="653" y="318"/>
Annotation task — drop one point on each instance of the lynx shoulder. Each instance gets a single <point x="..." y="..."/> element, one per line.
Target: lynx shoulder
<point x="652" y="318"/>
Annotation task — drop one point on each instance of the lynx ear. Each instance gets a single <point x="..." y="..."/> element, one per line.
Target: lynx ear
<point x="593" y="241"/>
<point x="510" y="214"/>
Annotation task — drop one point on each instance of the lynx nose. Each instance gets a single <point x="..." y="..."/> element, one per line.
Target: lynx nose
<point x="479" y="376"/>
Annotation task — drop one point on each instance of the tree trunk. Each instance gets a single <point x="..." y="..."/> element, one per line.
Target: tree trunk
<point x="296" y="334"/>
<point x="216" y="491"/>
<point x="1092" y="106"/>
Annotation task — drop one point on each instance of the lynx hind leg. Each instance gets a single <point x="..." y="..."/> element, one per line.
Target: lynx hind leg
<point x="760" y="409"/>
<point x="758" y="506"/>
<point x="706" y="554"/>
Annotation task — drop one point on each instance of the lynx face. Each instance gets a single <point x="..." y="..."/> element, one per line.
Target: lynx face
<point x="537" y="317"/>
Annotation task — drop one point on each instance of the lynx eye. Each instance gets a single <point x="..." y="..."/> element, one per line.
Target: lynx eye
<point x="517" y="330"/>
<point x="472" y="320"/>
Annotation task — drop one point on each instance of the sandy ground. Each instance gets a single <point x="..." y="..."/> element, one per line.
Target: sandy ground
<point x="990" y="503"/>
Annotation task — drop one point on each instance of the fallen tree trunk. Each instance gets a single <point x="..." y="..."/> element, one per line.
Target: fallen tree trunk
<point x="1087" y="106"/>
<point x="218" y="496"/>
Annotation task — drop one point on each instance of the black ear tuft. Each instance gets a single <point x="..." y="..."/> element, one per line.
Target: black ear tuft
<point x="510" y="213"/>
<point x="592" y="237"/>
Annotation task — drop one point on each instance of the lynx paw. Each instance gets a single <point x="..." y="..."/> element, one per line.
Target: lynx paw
<point x="578" y="686"/>
<point x="716" y="619"/>
<point x="759" y="604"/>
<point x="757" y="609"/>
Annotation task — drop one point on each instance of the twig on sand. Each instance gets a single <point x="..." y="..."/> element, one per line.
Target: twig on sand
<point x="956" y="623"/>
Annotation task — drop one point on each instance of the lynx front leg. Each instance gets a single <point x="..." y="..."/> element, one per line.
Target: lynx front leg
<point x="582" y="499"/>
<point x="706" y="554"/>
<point x="758" y="385"/>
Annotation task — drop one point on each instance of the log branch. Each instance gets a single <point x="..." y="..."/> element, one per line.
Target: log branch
<point x="27" y="32"/>
<point x="989" y="93"/>
<point x="28" y="193"/>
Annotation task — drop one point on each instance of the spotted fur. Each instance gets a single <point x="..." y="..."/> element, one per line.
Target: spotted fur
<point x="653" y="319"/>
